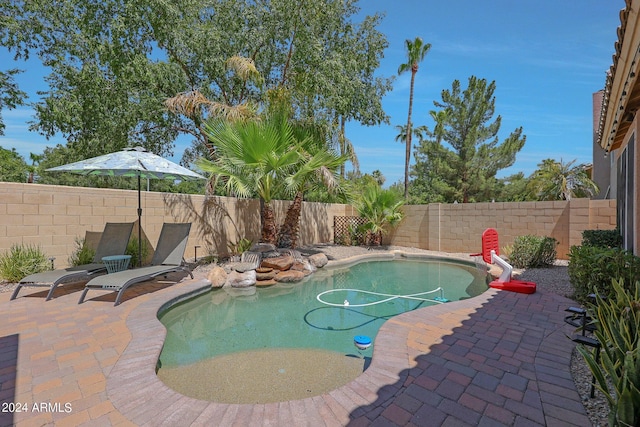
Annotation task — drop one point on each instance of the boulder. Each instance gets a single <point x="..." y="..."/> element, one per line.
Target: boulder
<point x="304" y="266"/>
<point x="241" y="280"/>
<point x="281" y="263"/>
<point x="217" y="276"/>
<point x="318" y="260"/>
<point x="265" y="283"/>
<point x="263" y="247"/>
<point x="266" y="275"/>
<point x="242" y="267"/>
<point x="289" y="276"/>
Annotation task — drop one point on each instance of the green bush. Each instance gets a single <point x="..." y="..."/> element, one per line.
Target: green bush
<point x="82" y="254"/>
<point x="21" y="261"/>
<point x="533" y="251"/>
<point x="617" y="321"/>
<point x="132" y="249"/>
<point x="602" y="238"/>
<point x="591" y="269"/>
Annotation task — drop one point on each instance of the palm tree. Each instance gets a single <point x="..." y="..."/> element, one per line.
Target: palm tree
<point x="253" y="159"/>
<point x="317" y="164"/>
<point x="440" y="118"/>
<point x="402" y="132"/>
<point x="555" y="180"/>
<point x="380" y="207"/>
<point x="416" y="51"/>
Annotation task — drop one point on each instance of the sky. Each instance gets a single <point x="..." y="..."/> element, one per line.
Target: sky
<point x="547" y="58"/>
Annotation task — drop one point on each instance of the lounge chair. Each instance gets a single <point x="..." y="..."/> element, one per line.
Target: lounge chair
<point x="113" y="241"/>
<point x="168" y="257"/>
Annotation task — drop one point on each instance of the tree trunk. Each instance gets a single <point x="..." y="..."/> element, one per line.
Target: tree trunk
<point x="288" y="234"/>
<point x="407" y="157"/>
<point x="268" y="224"/>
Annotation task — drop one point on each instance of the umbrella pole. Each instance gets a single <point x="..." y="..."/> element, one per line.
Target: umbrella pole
<point x="139" y="226"/>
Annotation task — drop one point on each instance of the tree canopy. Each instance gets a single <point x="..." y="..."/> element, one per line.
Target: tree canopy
<point x="459" y="160"/>
<point x="13" y="167"/>
<point x="114" y="63"/>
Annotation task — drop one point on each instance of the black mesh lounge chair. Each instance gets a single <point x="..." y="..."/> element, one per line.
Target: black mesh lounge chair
<point x="167" y="258"/>
<point x="113" y="241"/>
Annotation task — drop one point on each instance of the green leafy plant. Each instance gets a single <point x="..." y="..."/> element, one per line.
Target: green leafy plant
<point x="239" y="247"/>
<point x="602" y="238"/>
<point x="381" y="209"/>
<point x="533" y="251"/>
<point x="617" y="321"/>
<point x="132" y="249"/>
<point x="591" y="269"/>
<point x="83" y="254"/>
<point x="22" y="260"/>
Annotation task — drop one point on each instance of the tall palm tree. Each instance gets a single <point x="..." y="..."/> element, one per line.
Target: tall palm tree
<point x="555" y="180"/>
<point x="402" y="132"/>
<point x="416" y="51"/>
<point x="440" y="118"/>
<point x="253" y="159"/>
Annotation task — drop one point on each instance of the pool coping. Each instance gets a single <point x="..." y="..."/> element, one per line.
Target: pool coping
<point x="135" y="390"/>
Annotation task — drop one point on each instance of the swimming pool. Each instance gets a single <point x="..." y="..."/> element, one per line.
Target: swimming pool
<point x="317" y="318"/>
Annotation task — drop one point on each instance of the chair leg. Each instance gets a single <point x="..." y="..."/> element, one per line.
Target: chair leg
<point x="15" y="292"/>
<point x="119" y="295"/>
<point x="84" y="292"/>
<point x="50" y="294"/>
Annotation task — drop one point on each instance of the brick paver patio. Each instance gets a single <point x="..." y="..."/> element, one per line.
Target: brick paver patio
<point x="497" y="359"/>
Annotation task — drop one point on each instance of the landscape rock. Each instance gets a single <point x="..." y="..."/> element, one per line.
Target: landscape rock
<point x="265" y="275"/>
<point x="318" y="260"/>
<point x="217" y="276"/>
<point x="289" y="276"/>
<point x="242" y="267"/>
<point x="265" y="283"/>
<point x="280" y="263"/>
<point x="241" y="280"/>
<point x="304" y="266"/>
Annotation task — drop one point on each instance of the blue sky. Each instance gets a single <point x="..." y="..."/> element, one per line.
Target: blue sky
<point x="547" y="58"/>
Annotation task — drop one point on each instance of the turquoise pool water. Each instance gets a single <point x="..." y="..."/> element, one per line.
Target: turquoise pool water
<point x="222" y="322"/>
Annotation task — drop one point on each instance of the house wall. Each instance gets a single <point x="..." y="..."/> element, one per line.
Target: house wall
<point x="54" y="216"/>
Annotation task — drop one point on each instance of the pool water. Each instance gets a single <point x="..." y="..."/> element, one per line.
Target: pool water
<point x="290" y="316"/>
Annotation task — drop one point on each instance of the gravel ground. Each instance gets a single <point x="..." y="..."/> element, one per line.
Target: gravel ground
<point x="553" y="279"/>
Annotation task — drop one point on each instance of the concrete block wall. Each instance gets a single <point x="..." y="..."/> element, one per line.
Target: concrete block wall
<point x="459" y="227"/>
<point x="52" y="217"/>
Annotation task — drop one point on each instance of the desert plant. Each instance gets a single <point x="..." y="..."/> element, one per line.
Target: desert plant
<point x="617" y="321"/>
<point x="21" y="261"/>
<point x="239" y="247"/>
<point x="381" y="208"/>
<point x="591" y="269"/>
<point x="533" y="251"/>
<point x="82" y="254"/>
<point x="602" y="238"/>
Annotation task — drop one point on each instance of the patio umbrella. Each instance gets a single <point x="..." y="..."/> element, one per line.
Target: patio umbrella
<point x="132" y="162"/>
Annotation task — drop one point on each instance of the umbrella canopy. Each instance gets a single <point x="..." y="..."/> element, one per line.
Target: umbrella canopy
<point x="132" y="162"/>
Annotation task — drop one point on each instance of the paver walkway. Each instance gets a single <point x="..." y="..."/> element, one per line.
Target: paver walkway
<point x="497" y="359"/>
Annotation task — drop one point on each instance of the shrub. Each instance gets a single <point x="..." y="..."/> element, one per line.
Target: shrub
<point x="132" y="249"/>
<point x="602" y="238"/>
<point x="591" y="269"/>
<point x="533" y="251"/>
<point x="82" y="254"/>
<point x="21" y="261"/>
<point x="617" y="321"/>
